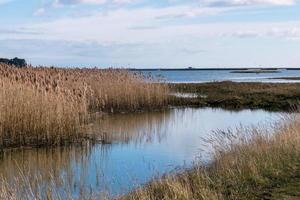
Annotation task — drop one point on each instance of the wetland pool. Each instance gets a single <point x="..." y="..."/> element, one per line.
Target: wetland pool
<point x="138" y="147"/>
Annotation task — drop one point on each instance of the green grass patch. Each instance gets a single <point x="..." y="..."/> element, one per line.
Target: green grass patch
<point x="231" y="95"/>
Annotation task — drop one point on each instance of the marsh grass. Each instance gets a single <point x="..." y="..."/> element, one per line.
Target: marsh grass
<point x="232" y="95"/>
<point x="49" y="106"/>
<point x="31" y="118"/>
<point x="249" y="164"/>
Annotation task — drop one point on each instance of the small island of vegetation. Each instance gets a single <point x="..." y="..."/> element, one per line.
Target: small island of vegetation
<point x="286" y="78"/>
<point x="256" y="71"/>
<point x="233" y="95"/>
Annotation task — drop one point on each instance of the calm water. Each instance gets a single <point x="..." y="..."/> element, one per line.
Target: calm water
<point x="199" y="76"/>
<point x="139" y="147"/>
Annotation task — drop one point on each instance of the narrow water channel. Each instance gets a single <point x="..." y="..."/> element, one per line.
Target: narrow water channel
<point x="137" y="148"/>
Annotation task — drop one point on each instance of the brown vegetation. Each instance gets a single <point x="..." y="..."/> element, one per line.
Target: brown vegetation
<point x="47" y="106"/>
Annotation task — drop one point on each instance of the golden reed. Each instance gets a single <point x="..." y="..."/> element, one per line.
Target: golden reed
<point x="42" y="106"/>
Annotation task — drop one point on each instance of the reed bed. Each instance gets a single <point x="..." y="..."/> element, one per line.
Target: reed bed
<point x="249" y="164"/>
<point x="42" y="106"/>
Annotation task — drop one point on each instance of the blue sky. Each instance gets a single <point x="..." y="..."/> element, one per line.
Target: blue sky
<point x="152" y="33"/>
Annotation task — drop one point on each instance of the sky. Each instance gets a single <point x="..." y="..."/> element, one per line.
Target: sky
<point x="152" y="33"/>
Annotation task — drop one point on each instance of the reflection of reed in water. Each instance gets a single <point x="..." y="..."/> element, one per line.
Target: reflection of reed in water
<point x="125" y="128"/>
<point x="45" y="172"/>
<point x="67" y="170"/>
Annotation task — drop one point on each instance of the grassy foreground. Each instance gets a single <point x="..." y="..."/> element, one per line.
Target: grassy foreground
<point x="252" y="164"/>
<point x="231" y="95"/>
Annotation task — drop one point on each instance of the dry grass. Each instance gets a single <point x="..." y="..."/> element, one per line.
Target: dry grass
<point x="256" y="166"/>
<point x="47" y="106"/>
<point x="110" y="89"/>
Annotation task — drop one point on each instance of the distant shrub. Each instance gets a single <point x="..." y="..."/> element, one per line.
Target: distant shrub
<point x="15" y="61"/>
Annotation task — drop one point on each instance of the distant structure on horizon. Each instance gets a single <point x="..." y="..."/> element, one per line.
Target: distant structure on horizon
<point x="15" y="61"/>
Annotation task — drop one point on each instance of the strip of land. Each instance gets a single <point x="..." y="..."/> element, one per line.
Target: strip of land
<point x="286" y="78"/>
<point x="231" y="95"/>
<point x="257" y="71"/>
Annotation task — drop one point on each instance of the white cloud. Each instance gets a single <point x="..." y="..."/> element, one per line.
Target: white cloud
<point x="66" y="2"/>
<point x="250" y="2"/>
<point x="92" y="2"/>
<point x="39" y="12"/>
<point x="153" y="25"/>
<point x="162" y="33"/>
<point x="5" y="1"/>
<point x="287" y="30"/>
<point x="291" y="33"/>
<point x="245" y="34"/>
<point x="205" y="2"/>
<point x="123" y="25"/>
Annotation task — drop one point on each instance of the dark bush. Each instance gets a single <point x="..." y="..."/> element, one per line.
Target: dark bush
<point x="15" y="61"/>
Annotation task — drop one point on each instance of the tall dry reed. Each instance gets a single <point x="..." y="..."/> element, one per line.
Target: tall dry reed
<point x="108" y="89"/>
<point x="47" y="106"/>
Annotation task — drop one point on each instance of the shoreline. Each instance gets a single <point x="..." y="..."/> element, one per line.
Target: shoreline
<point x="260" y="167"/>
<point x="286" y="78"/>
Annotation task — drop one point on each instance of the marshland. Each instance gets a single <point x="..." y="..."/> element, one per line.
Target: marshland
<point x="88" y="133"/>
<point x="149" y="99"/>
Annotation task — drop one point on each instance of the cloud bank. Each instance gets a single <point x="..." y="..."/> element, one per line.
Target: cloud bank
<point x="173" y="33"/>
<point x="250" y="2"/>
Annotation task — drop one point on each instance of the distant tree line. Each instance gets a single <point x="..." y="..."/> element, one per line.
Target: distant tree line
<point x="15" y="61"/>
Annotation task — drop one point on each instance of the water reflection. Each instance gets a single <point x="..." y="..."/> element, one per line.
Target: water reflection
<point x="131" y="127"/>
<point x="138" y="147"/>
